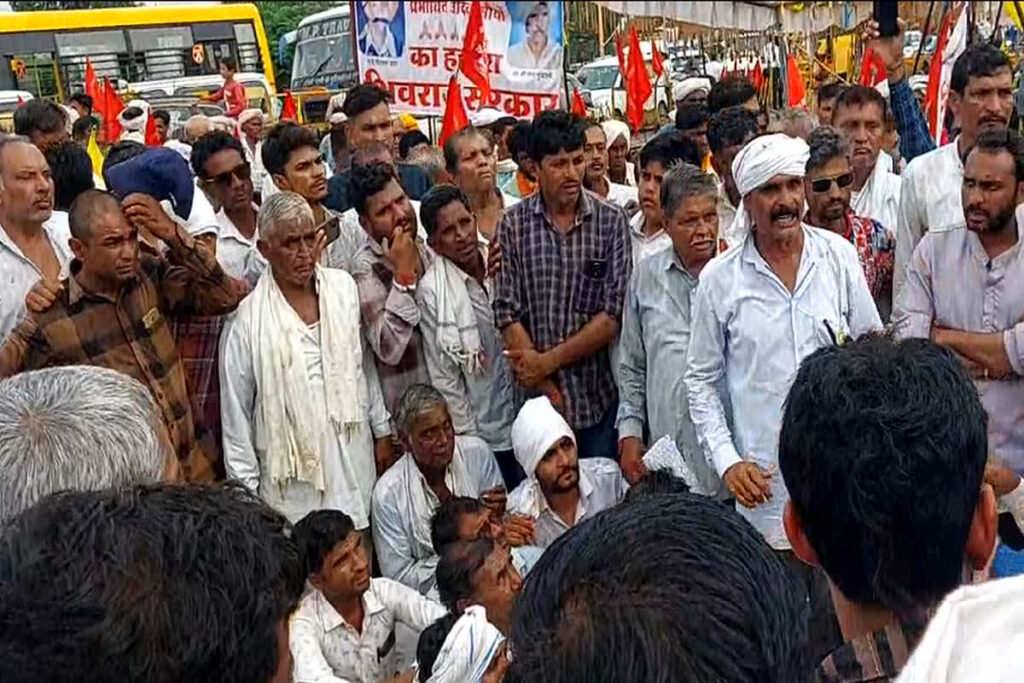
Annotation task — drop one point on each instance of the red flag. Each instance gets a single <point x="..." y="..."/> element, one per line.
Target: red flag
<point x="455" y="117"/>
<point x="656" y="63"/>
<point x="638" y="83"/>
<point x="92" y="86"/>
<point x="474" y="53"/>
<point x="794" y="82"/>
<point x="112" y="108"/>
<point x="621" y="56"/>
<point x="151" y="137"/>
<point x="289" y="112"/>
<point x="20" y="101"/>
<point x="872" y="70"/>
<point x="757" y="75"/>
<point x="941" y="68"/>
<point x="579" y="107"/>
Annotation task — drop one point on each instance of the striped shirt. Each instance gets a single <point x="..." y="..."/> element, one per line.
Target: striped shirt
<point x="554" y="283"/>
<point x="133" y="334"/>
<point x="872" y="658"/>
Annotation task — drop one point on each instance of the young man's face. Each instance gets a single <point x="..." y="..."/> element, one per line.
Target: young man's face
<point x="373" y="125"/>
<point x="306" y="174"/>
<point x="559" y="470"/>
<point x="388" y="211"/>
<point x="345" y="573"/>
<point x="827" y="191"/>
<point x="455" y="237"/>
<point x="990" y="190"/>
<point x="597" y="154"/>
<point x="110" y="253"/>
<point x="496" y="585"/>
<point x="651" y="176"/>
<point x="161" y="129"/>
<point x="228" y="178"/>
<point x="560" y="175"/>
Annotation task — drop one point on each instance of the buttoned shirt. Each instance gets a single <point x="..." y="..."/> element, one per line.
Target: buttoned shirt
<point x="752" y="332"/>
<point x="653" y="345"/>
<point x="953" y="283"/>
<point x="391" y="320"/>
<point x="879" y="198"/>
<point x="930" y="201"/>
<point x="401" y="517"/>
<point x="601" y="487"/>
<point x="327" y="649"/>
<point x="132" y="334"/>
<point x="621" y="195"/>
<point x="236" y="253"/>
<point x="479" y="403"/>
<point x="643" y="245"/>
<point x="727" y="220"/>
<point x="876" y="657"/>
<point x="18" y="275"/>
<point x="915" y="138"/>
<point x="555" y="282"/>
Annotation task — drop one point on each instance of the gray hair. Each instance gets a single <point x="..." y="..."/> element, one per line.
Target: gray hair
<point x="681" y="182"/>
<point x="417" y="399"/>
<point x="825" y="145"/>
<point x="431" y="161"/>
<point x="196" y="127"/>
<point x="80" y="428"/>
<point x="796" y="123"/>
<point x="280" y="209"/>
<point x="6" y="140"/>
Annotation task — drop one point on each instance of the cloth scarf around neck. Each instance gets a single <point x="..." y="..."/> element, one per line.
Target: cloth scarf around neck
<point x="457" y="333"/>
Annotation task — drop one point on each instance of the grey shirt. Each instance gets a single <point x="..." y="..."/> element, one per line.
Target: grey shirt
<point x="951" y="282"/>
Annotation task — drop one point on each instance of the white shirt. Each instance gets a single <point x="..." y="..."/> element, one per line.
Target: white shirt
<point x="236" y="253"/>
<point x="202" y="219"/>
<point x="522" y="56"/>
<point x="727" y="220"/>
<point x="18" y="275"/>
<point x="401" y="519"/>
<point x="601" y="487"/>
<point x="749" y="330"/>
<point x="644" y="245"/>
<point x="880" y="196"/>
<point x="349" y="466"/>
<point x="930" y="201"/>
<point x="327" y="649"/>
<point x="255" y="158"/>
<point x="621" y="195"/>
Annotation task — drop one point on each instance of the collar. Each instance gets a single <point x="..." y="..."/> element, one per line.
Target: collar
<point x="874" y="656"/>
<point x="230" y="231"/>
<point x="752" y="257"/>
<point x="331" y="619"/>
<point x="47" y="227"/>
<point x="75" y="290"/>
<point x="675" y="262"/>
<point x="636" y="226"/>
<point x="584" y="207"/>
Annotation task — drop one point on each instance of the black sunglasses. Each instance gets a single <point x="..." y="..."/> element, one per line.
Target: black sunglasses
<point x="243" y="172"/>
<point x="824" y="184"/>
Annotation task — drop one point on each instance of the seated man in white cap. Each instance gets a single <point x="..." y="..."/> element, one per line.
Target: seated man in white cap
<point x="770" y="301"/>
<point x="561" y="489"/>
<point x="459" y="648"/>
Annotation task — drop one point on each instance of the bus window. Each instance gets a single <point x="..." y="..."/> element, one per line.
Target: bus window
<point x="160" y="52"/>
<point x="248" y="50"/>
<point x="90" y="42"/>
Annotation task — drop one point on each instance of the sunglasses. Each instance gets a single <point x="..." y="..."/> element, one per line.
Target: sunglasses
<point x="825" y="184"/>
<point x="243" y="172"/>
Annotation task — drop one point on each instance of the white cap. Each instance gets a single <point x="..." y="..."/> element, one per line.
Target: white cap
<point x="486" y="116"/>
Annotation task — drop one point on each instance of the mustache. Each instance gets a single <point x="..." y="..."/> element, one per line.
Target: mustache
<point x="784" y="211"/>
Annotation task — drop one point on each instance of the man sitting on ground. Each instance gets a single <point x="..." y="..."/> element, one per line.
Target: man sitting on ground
<point x="479" y="572"/>
<point x="461" y="518"/>
<point x="464" y="647"/>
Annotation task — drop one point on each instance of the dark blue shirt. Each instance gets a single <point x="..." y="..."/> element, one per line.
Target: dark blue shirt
<point x="413" y="179"/>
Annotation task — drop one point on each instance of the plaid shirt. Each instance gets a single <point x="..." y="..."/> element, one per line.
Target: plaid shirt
<point x="198" y="338"/>
<point x="554" y="283"/>
<point x="132" y="334"/>
<point x="915" y="139"/>
<point x="874" y="658"/>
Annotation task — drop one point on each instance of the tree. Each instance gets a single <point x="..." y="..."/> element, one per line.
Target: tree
<point x="278" y="19"/>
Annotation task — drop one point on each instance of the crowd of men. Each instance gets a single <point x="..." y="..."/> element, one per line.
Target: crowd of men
<point x="744" y="404"/>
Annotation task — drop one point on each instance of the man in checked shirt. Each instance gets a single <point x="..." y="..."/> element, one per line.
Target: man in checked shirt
<point x="113" y="308"/>
<point x="561" y="285"/>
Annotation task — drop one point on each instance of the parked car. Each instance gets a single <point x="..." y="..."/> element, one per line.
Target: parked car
<point x="602" y="80"/>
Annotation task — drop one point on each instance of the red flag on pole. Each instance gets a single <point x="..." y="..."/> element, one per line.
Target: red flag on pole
<point x="621" y="56"/>
<point x="112" y="108"/>
<point x="872" y="70"/>
<point x="794" y="82"/>
<point x="92" y="86"/>
<point x="474" y="53"/>
<point x="455" y="117"/>
<point x="20" y="101"/>
<point x="638" y="83"/>
<point x="579" y="107"/>
<point x="289" y="112"/>
<point x="151" y="137"/>
<point x="656" y="63"/>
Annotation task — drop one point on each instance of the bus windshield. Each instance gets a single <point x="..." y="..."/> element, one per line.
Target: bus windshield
<point x="323" y="55"/>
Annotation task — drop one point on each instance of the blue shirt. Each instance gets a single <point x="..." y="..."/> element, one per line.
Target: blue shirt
<point x="915" y="139"/>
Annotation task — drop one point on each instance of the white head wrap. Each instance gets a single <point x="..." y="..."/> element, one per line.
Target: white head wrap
<point x="485" y="117"/>
<point x="613" y="129"/>
<point x="766" y="157"/>
<point x="468" y="649"/>
<point x="247" y="115"/>
<point x="336" y="118"/>
<point x="973" y="637"/>
<point x="138" y="124"/>
<point x="690" y="85"/>
<point x="537" y="428"/>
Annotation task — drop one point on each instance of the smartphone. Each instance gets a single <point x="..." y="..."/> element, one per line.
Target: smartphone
<point x="886" y="14"/>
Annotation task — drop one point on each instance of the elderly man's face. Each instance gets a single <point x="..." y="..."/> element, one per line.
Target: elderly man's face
<point x="777" y="205"/>
<point x="698" y="96"/>
<point x="862" y="125"/>
<point x="693" y="227"/>
<point x="26" y="188"/>
<point x="380" y="11"/>
<point x="496" y="585"/>
<point x="617" y="153"/>
<point x="987" y="103"/>
<point x="431" y="438"/>
<point x="253" y="128"/>
<point x="455" y="236"/>
<point x="537" y="22"/>
<point x="597" y="154"/>
<point x="827" y="190"/>
<point x="476" y="164"/>
<point x="291" y="251"/>
<point x="559" y="470"/>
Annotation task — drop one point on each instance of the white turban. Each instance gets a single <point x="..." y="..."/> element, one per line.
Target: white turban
<point x="690" y="85"/>
<point x="337" y="118"/>
<point x="248" y="114"/>
<point x="973" y="637"/>
<point x="468" y="650"/>
<point x="613" y="129"/>
<point x="766" y="157"/>
<point x="138" y="124"/>
<point x="537" y="428"/>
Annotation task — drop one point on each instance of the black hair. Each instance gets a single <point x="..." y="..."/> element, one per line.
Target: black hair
<point x="691" y="115"/>
<point x="451" y="146"/>
<point x="732" y="126"/>
<point x="519" y="139"/>
<point x="212" y="143"/>
<point x="83" y="99"/>
<point x="978" y="60"/>
<point x="457" y="564"/>
<point x="132" y="112"/>
<point x="900" y="422"/>
<point x="121" y="151"/>
<point x="830" y="91"/>
<point x="556" y="131"/>
<point x="428" y="647"/>
<point x="40" y="116"/>
<point x="84" y="208"/>
<point x="655" y="483"/>
<point x="824" y="144"/>
<point x="71" y="170"/>
<point x="81" y="128"/>
<point x="152" y="584"/>
<point x="444" y="528"/>
<point x="669" y="149"/>
<point x="318" y="533"/>
<point x="229" y="62"/>
<point x="499" y="127"/>
<point x="733" y="91"/>
<point x="283" y="139"/>
<point x="1007" y="140"/>
<point x="594" y="610"/>
<point x="364" y="97"/>
<point x="364" y="181"/>
<point x="858" y="96"/>
<point x="163" y="115"/>
<point x="409" y="140"/>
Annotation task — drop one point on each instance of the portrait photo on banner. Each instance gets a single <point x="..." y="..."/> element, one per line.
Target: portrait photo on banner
<point x="381" y="28"/>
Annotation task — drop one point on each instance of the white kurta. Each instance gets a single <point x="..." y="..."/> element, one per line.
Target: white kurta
<point x="349" y="466"/>
<point x="18" y="275"/>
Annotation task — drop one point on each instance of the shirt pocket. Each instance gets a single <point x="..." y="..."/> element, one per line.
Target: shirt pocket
<point x="588" y="291"/>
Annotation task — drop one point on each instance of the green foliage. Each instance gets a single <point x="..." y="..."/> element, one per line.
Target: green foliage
<point x="278" y="19"/>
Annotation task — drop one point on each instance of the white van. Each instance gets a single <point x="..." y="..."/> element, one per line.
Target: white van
<point x="602" y="80"/>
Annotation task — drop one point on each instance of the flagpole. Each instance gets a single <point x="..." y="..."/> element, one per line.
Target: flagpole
<point x="924" y="36"/>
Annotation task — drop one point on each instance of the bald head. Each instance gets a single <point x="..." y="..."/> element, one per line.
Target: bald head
<point x="86" y="209"/>
<point x="196" y="127"/>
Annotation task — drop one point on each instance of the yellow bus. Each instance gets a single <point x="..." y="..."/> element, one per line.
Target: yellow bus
<point x="45" y="52"/>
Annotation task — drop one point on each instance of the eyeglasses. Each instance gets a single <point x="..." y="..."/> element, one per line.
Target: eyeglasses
<point x="825" y="184"/>
<point x="243" y="172"/>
